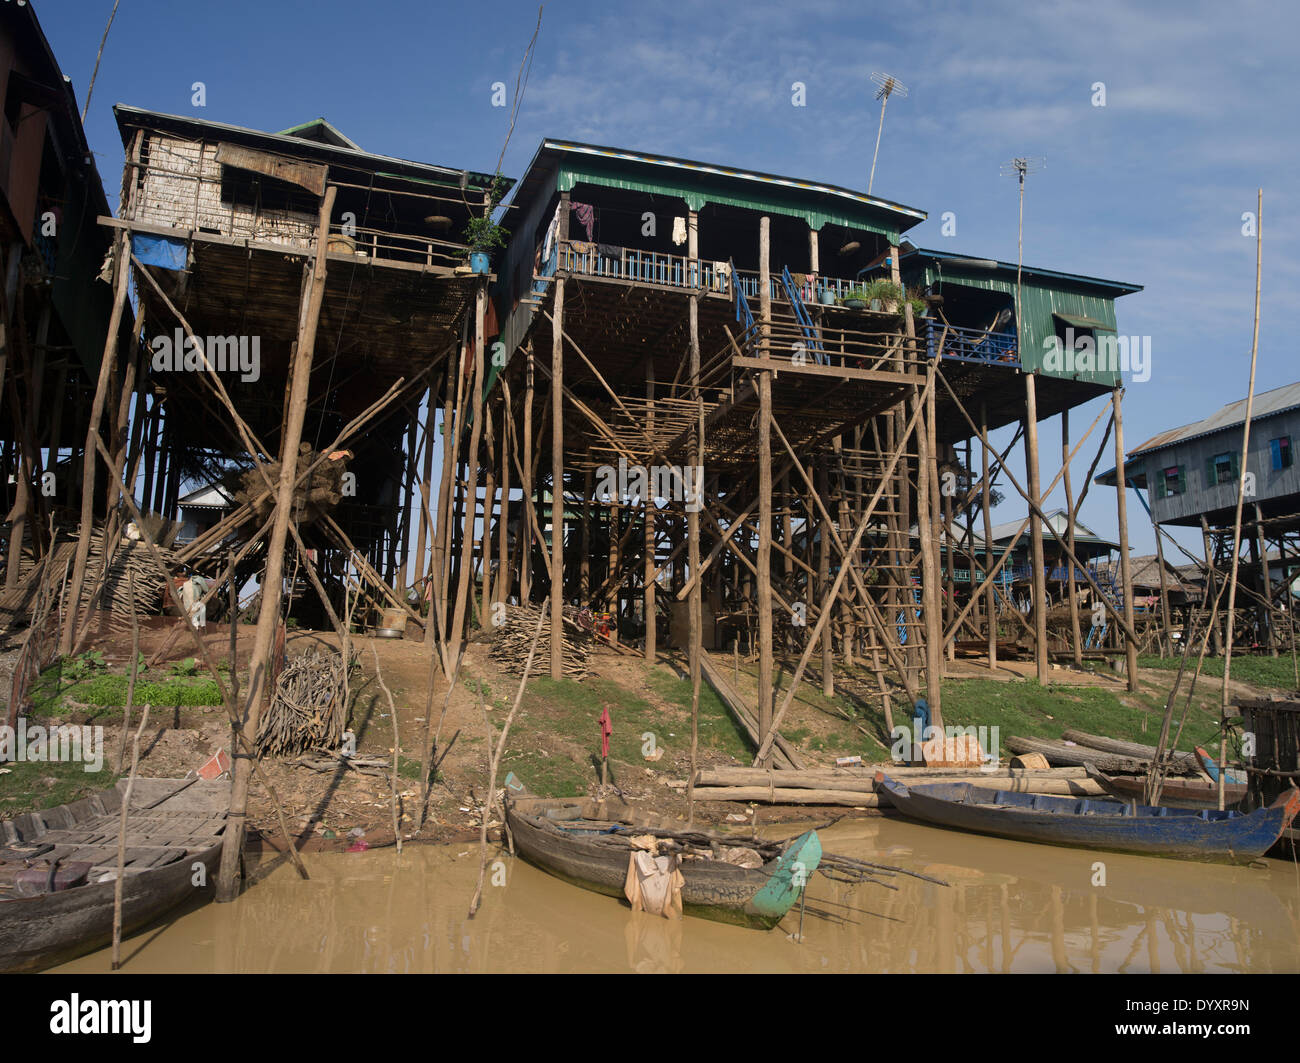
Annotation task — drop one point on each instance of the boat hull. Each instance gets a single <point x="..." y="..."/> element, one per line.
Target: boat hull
<point x="53" y="928"/>
<point x="1221" y="837"/>
<point x="757" y="898"/>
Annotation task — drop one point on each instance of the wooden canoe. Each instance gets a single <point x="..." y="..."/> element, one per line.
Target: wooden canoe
<point x="173" y="829"/>
<point x="1177" y="792"/>
<point x="1087" y="823"/>
<point x="591" y="854"/>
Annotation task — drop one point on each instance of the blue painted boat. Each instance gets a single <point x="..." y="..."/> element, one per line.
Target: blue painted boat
<point x="1088" y="823"/>
<point x="1211" y="768"/>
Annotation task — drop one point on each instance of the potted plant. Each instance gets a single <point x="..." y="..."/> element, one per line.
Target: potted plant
<point x="882" y="294"/>
<point x="482" y="234"/>
<point x="855" y="298"/>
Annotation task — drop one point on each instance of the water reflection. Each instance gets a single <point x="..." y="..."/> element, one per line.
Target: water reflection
<point x="1010" y="907"/>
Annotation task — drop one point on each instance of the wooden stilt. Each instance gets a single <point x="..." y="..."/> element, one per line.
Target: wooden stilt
<point x="557" y="461"/>
<point x="258" y="692"/>
<point x="764" y="576"/>
<point x="1072" y="589"/>
<point x="1126" y="576"/>
<point x="1037" y="561"/>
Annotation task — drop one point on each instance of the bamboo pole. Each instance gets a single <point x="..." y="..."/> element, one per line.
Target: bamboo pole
<point x="1241" y="494"/>
<point x="496" y="761"/>
<point x="121" y="842"/>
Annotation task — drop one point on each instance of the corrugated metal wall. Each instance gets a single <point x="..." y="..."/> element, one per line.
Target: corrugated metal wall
<point x="1039" y="301"/>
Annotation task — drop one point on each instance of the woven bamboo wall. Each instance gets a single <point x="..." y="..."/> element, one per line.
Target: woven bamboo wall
<point x="181" y="186"/>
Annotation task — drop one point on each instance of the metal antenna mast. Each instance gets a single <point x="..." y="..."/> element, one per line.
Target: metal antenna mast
<point x="1019" y="168"/>
<point x="889" y="86"/>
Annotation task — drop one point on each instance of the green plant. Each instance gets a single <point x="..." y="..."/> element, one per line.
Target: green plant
<point x="858" y="295"/>
<point x="189" y="666"/>
<point x="884" y="290"/>
<point x="84" y="664"/>
<point x="482" y="233"/>
<point x="919" y="306"/>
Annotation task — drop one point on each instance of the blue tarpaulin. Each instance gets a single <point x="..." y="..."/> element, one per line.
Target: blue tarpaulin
<point x="162" y="251"/>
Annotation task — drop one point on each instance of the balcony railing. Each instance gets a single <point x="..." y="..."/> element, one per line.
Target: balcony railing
<point x="971" y="345"/>
<point x="611" y="262"/>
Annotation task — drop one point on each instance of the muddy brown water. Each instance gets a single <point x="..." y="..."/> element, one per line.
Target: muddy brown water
<point x="1010" y="907"/>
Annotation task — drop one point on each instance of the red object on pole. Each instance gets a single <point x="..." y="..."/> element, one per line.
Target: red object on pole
<point x="606" y="729"/>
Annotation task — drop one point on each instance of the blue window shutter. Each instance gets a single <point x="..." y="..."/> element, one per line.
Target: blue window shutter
<point x="1275" y="445"/>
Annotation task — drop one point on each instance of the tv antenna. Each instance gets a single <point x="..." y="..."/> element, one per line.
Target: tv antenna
<point x="889" y="86"/>
<point x="1020" y="167"/>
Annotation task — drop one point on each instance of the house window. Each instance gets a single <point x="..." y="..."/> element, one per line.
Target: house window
<point x="1221" y="469"/>
<point x="1171" y="481"/>
<point x="1281" y="451"/>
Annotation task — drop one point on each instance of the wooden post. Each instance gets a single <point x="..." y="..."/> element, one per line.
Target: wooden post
<point x="557" y="461"/>
<point x="648" y="550"/>
<point x="503" y="579"/>
<point x="1166" y="642"/>
<point x="1265" y="583"/>
<point x="478" y="410"/>
<point x="426" y="485"/>
<point x="529" y="515"/>
<point x="121" y="277"/>
<point x="823" y="583"/>
<point x="489" y="506"/>
<point x="696" y="596"/>
<point x="764" y="575"/>
<point x="1121" y="506"/>
<point x="925" y="504"/>
<point x="1076" y="631"/>
<point x="584" y="546"/>
<point x="1037" y="563"/>
<point x="1212" y="583"/>
<point x="268" y="619"/>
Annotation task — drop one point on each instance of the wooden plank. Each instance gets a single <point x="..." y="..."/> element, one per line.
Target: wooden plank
<point x="308" y="175"/>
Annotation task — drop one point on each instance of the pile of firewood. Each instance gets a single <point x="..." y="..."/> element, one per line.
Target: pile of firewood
<point x="308" y="710"/>
<point x="318" y="496"/>
<point x="514" y="637"/>
<point x="129" y="558"/>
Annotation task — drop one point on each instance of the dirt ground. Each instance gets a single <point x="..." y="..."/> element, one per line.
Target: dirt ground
<point x="322" y="808"/>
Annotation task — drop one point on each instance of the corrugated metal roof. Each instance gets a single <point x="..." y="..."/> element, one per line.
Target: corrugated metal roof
<point x="1267" y="403"/>
<point x="992" y="264"/>
<point x="670" y="161"/>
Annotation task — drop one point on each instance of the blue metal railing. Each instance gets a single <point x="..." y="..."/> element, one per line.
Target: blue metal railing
<point x="743" y="312"/>
<point x="801" y="316"/>
<point x="971" y="345"/>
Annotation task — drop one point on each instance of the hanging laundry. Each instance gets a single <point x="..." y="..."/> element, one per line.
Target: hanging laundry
<point x="654" y="884"/>
<point x="606" y="729"/>
<point x="679" y="231"/>
<point x="586" y="214"/>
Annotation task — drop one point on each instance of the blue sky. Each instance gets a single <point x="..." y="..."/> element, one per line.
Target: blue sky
<point x="1149" y="188"/>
